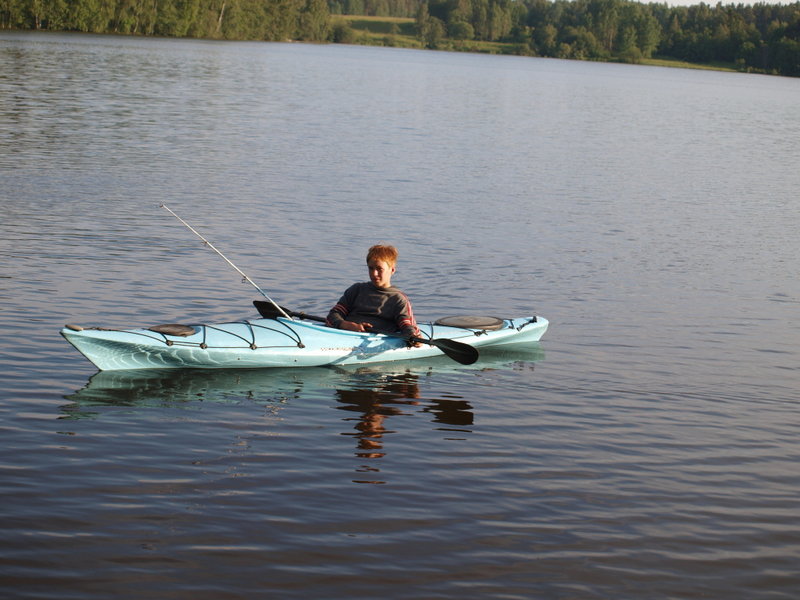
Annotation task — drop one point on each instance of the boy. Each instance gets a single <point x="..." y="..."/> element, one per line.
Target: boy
<point x="376" y="305"/>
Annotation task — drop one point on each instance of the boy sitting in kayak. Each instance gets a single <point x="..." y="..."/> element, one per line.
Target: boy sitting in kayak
<point x="376" y="305"/>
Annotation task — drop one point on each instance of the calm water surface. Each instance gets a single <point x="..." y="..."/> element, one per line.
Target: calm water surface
<point x="647" y="448"/>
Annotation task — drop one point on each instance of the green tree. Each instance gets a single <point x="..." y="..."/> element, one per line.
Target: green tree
<point x="546" y="40"/>
<point x="342" y="33"/>
<point x="314" y="21"/>
<point x="92" y="16"/>
<point x="480" y="19"/>
<point x="648" y="33"/>
<point x="605" y="18"/>
<point x="499" y="20"/>
<point x="178" y="17"/>
<point x="430" y="30"/>
<point x="460" y="11"/>
<point x="422" y="18"/>
<point x="628" y="50"/>
<point x="461" y="30"/>
<point x="582" y="43"/>
<point x="434" y="33"/>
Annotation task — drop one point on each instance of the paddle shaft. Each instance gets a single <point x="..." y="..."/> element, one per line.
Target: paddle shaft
<point x="458" y="351"/>
<point x="225" y="258"/>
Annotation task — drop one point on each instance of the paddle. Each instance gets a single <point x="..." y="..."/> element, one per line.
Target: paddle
<point x="458" y="351"/>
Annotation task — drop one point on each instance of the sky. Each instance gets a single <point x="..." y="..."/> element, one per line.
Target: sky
<point x="714" y="2"/>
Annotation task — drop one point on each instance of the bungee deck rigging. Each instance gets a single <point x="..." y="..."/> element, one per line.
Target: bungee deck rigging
<point x="169" y="333"/>
<point x="174" y="334"/>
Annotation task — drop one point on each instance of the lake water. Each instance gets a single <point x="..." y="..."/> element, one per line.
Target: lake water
<point x="648" y="447"/>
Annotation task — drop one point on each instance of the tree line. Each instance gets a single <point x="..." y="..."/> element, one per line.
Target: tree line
<point x="269" y="20"/>
<point x="760" y="37"/>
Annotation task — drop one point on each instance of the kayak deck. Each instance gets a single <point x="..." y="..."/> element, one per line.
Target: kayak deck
<point x="278" y="342"/>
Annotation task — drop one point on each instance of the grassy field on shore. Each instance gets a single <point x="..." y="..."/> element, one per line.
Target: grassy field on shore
<point x="400" y="32"/>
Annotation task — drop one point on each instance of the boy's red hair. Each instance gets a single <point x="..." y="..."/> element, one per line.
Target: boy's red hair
<point x="388" y="254"/>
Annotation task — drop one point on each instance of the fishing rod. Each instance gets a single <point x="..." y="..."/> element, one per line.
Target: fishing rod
<point x="238" y="270"/>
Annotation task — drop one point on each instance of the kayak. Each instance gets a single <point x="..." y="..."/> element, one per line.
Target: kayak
<point x="288" y="342"/>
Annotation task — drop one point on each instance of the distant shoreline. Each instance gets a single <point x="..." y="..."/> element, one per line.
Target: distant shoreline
<point x="401" y="32"/>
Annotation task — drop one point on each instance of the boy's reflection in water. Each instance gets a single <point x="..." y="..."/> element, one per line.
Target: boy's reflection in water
<point x="388" y="397"/>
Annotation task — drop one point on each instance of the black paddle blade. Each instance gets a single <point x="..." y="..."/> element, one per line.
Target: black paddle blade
<point x="266" y="309"/>
<point x="458" y="351"/>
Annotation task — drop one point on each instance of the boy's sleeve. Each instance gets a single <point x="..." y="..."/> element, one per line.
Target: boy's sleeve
<point x="342" y="308"/>
<point x="406" y="322"/>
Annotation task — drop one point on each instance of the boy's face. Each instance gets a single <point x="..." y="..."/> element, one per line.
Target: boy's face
<point x="380" y="273"/>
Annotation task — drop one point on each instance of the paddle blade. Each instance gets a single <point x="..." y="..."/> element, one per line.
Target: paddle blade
<point x="266" y="309"/>
<point x="459" y="352"/>
<point x="269" y="310"/>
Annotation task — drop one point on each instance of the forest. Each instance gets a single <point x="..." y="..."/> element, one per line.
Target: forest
<point x="763" y="38"/>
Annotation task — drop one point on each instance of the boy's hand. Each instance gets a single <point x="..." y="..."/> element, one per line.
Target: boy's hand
<point x="350" y="326"/>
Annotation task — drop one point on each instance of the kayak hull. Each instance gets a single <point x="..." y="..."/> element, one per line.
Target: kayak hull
<point x="281" y="342"/>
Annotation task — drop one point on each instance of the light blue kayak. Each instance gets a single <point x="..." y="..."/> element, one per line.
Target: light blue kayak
<point x="286" y="342"/>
